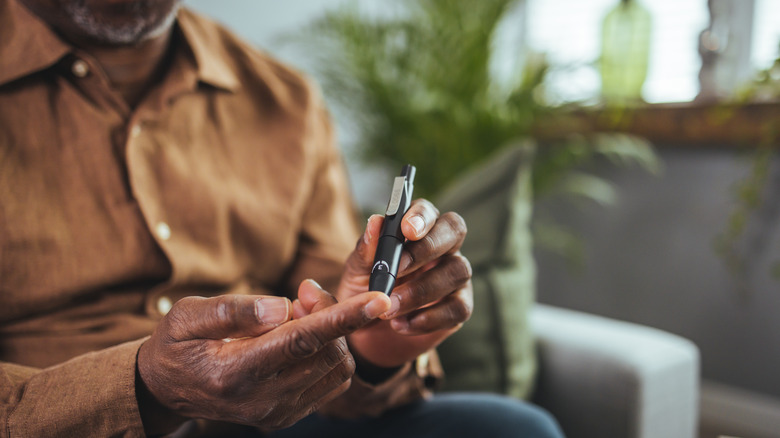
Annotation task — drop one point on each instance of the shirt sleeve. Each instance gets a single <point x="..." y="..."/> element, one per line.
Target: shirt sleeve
<point x="89" y="395"/>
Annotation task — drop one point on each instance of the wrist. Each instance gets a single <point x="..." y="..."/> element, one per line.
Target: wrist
<point x="372" y="373"/>
<point x="157" y="419"/>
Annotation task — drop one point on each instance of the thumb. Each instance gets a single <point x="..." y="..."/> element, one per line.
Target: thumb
<point x="362" y="258"/>
<point x="226" y="316"/>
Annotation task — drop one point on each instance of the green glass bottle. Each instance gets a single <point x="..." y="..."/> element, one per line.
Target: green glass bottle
<point x="625" y="51"/>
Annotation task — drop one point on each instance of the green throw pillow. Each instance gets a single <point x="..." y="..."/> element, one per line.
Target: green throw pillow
<point x="494" y="350"/>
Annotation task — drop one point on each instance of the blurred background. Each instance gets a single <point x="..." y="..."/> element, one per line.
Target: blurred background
<point x="656" y="180"/>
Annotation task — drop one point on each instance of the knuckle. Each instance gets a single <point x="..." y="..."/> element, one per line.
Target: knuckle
<point x="336" y="353"/>
<point x="459" y="269"/>
<point x="345" y="323"/>
<point x="469" y="303"/>
<point x="343" y="372"/>
<point x="422" y="323"/>
<point x="467" y="264"/>
<point x="456" y="223"/>
<point x="431" y="243"/>
<point x="350" y="366"/>
<point x="182" y="308"/>
<point x="411" y="251"/>
<point x="449" y="232"/>
<point x="225" y="309"/>
<point x="301" y="343"/>
<point x="460" y="311"/>
<point x="186" y="302"/>
<point x="176" y="322"/>
<point x="338" y="372"/>
<point x="215" y="384"/>
<point x="429" y="206"/>
<point x="328" y="359"/>
<point x="419" y="295"/>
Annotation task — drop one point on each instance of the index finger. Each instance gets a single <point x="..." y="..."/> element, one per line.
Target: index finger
<point x="302" y="338"/>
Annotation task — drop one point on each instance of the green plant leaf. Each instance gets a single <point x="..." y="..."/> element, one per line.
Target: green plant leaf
<point x="625" y="150"/>
<point x="586" y="186"/>
<point x="559" y="240"/>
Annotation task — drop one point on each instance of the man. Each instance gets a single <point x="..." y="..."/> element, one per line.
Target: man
<point x="165" y="191"/>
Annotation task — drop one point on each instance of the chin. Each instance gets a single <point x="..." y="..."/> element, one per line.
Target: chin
<point x="125" y="22"/>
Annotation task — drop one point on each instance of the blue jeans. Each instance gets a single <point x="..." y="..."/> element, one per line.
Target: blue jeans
<point x="446" y="415"/>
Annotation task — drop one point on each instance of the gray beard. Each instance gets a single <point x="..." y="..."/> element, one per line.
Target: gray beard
<point x="134" y="30"/>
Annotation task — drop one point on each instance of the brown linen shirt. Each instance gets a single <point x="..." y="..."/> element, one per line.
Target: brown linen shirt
<point x="224" y="179"/>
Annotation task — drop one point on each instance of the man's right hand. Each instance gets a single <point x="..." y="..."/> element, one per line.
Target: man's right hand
<point x="217" y="358"/>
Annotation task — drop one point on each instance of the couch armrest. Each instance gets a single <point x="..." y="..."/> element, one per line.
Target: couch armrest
<point x="605" y="378"/>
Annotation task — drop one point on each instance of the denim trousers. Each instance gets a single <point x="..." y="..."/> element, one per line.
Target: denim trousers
<point x="445" y="415"/>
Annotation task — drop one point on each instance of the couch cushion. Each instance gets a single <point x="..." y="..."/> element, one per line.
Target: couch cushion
<point x="494" y="349"/>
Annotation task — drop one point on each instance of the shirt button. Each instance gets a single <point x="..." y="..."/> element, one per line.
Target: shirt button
<point x="163" y="231"/>
<point x="164" y="305"/>
<point x="79" y="68"/>
<point x="135" y="131"/>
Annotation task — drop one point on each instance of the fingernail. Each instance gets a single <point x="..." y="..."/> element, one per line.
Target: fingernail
<point x="418" y="223"/>
<point x="377" y="306"/>
<point x="367" y="234"/>
<point x="395" y="306"/>
<point x="406" y="260"/>
<point x="273" y="310"/>
<point x="314" y="283"/>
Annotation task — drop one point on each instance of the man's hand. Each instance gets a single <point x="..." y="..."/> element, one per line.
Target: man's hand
<point x="225" y="359"/>
<point x="433" y="296"/>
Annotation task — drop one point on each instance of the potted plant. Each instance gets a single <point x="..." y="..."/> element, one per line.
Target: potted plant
<point x="418" y="87"/>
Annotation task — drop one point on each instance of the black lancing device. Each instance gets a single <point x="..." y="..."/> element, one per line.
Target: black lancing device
<point x="391" y="239"/>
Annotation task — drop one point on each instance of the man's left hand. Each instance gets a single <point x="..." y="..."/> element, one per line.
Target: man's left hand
<point x="432" y="297"/>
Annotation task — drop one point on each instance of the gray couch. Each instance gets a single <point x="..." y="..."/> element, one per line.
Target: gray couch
<point x="611" y="379"/>
<point x="600" y="378"/>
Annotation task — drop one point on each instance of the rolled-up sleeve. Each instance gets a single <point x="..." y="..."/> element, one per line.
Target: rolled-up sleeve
<point x="89" y="395"/>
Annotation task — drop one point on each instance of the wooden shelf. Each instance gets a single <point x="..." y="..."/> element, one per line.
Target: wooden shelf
<point x="689" y="124"/>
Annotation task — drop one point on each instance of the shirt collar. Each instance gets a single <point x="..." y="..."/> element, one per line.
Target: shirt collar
<point x="27" y="44"/>
<point x="212" y="60"/>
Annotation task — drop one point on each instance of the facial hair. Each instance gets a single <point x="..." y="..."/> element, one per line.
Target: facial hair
<point x="124" y="23"/>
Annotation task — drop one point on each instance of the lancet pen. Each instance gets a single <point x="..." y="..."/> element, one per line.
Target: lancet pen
<point x="391" y="239"/>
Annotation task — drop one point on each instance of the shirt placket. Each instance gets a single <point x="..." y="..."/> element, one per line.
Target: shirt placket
<point x="144" y="131"/>
<point x="135" y="137"/>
